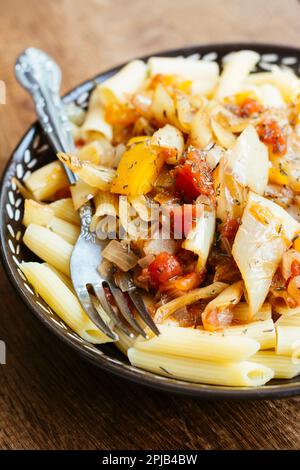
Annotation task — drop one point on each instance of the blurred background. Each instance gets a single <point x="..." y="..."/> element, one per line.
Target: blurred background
<point x="50" y="397"/>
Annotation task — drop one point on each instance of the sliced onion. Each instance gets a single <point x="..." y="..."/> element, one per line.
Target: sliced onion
<point x="146" y="260"/>
<point x="105" y="268"/>
<point x="122" y="257"/>
<point x="154" y="247"/>
<point x="216" y="319"/>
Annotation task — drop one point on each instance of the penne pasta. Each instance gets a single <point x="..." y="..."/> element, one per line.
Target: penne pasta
<point x="288" y="341"/>
<point x="283" y="366"/>
<point x="106" y="204"/>
<point x="36" y="213"/>
<point x="45" y="182"/>
<point x="263" y="332"/>
<point x="124" y="83"/>
<point x="289" y="320"/>
<point x="203" y="75"/>
<point x="63" y="277"/>
<point x="207" y="292"/>
<point x="64" y="209"/>
<point x="124" y="342"/>
<point x="239" y="374"/>
<point x="49" y="246"/>
<point x="61" y="299"/>
<point x="41" y="214"/>
<point x="223" y="302"/>
<point x="242" y="314"/>
<point x="67" y="231"/>
<point x="95" y="122"/>
<point x="198" y="344"/>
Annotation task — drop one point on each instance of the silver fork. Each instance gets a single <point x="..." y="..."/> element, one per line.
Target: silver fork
<point x="41" y="77"/>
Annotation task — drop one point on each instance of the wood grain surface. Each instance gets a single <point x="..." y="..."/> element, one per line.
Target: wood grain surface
<point x="49" y="397"/>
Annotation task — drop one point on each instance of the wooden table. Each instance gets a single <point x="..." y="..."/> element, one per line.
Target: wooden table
<point x="49" y="397"/>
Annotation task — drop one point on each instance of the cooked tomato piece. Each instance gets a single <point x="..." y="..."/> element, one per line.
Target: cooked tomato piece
<point x="272" y="134"/>
<point x="184" y="283"/>
<point x="250" y="108"/>
<point x="164" y="267"/>
<point x="194" y="177"/>
<point x="295" y="268"/>
<point x="80" y="142"/>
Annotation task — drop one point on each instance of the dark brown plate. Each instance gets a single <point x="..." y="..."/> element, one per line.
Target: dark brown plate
<point x="32" y="152"/>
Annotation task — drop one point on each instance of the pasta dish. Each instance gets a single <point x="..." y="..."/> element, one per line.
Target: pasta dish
<point x="194" y="176"/>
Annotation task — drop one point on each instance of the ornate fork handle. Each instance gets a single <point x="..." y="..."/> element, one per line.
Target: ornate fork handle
<point x="41" y="76"/>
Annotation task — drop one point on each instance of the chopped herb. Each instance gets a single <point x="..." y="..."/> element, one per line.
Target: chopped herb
<point x="165" y="370"/>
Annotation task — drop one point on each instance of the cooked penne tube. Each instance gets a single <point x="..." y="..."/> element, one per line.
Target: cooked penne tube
<point x="263" y="332"/>
<point x="62" y="300"/>
<point x="288" y="341"/>
<point x="36" y="213"/>
<point x="67" y="231"/>
<point x="239" y="374"/>
<point x="242" y="314"/>
<point x="42" y="214"/>
<point x="202" y="74"/>
<point x="95" y="118"/>
<point x="63" y="277"/>
<point x="236" y="69"/>
<point x="124" y="342"/>
<point x="198" y="344"/>
<point x="207" y="292"/>
<point x="125" y="82"/>
<point x="224" y="302"/>
<point x="283" y="366"/>
<point x="106" y="203"/>
<point x="64" y="209"/>
<point x="49" y="246"/>
<point x="46" y="181"/>
<point x="139" y="203"/>
<point x="289" y="320"/>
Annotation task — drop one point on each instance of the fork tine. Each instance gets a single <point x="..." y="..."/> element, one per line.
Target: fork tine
<point x="141" y="308"/>
<point x="126" y="284"/>
<point x="99" y="291"/>
<point x="124" y="309"/>
<point x="92" y="313"/>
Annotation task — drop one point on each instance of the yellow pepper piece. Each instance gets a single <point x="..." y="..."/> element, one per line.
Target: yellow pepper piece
<point x="297" y="243"/>
<point x="277" y="176"/>
<point x="138" y="169"/>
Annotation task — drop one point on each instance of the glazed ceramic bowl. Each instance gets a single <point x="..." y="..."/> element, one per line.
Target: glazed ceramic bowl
<point x="34" y="151"/>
